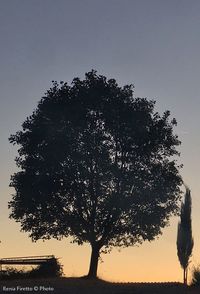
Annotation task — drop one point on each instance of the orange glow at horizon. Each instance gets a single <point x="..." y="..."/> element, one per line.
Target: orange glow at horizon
<point x="154" y="261"/>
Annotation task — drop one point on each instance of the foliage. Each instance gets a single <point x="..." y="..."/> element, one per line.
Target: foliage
<point x="50" y="269"/>
<point x="12" y="273"/>
<point x="95" y="164"/>
<point x="185" y="240"/>
<point x="196" y="276"/>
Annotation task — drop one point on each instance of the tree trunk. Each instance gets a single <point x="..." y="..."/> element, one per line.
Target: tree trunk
<point x="185" y="276"/>
<point x="92" y="274"/>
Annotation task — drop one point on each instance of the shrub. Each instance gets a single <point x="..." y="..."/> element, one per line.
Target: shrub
<point x="196" y="276"/>
<point x="12" y="273"/>
<point x="49" y="269"/>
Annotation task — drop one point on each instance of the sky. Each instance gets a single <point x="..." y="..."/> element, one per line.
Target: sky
<point x="154" y="45"/>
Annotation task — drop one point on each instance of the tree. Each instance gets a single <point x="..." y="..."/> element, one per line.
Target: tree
<point x="185" y="240"/>
<point x="95" y="164"/>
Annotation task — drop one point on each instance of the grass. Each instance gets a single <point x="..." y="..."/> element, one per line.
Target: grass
<point x="83" y="286"/>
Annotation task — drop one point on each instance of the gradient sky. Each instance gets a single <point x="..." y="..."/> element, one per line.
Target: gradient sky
<point x="153" y="44"/>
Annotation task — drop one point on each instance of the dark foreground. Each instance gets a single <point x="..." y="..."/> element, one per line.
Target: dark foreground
<point x="82" y="286"/>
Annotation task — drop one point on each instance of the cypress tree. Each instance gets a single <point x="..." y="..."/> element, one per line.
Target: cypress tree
<point x="185" y="240"/>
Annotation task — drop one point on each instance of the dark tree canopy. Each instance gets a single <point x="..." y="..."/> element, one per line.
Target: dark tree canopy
<point x="95" y="164"/>
<point x="185" y="240"/>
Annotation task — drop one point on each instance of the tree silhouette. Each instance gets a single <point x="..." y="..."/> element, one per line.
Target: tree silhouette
<point x="185" y="241"/>
<point x="97" y="165"/>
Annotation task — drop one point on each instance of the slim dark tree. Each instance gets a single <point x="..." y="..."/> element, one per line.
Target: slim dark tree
<point x="95" y="164"/>
<point x="185" y="241"/>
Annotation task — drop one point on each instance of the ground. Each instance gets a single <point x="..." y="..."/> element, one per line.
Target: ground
<point x="82" y="286"/>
